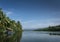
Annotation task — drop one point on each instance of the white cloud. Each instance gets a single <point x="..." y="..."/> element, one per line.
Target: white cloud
<point x="8" y="12"/>
<point x="33" y="24"/>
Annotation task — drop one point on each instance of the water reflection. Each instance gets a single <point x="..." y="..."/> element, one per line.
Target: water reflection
<point x="54" y="33"/>
<point x="40" y="36"/>
<point x="11" y="38"/>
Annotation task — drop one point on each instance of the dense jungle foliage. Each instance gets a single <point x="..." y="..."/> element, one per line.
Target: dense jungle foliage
<point x="6" y="22"/>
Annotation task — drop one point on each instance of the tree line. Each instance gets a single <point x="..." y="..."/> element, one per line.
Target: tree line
<point x="50" y="28"/>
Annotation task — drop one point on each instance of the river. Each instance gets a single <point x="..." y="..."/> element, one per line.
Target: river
<point x="31" y="36"/>
<point x="40" y="36"/>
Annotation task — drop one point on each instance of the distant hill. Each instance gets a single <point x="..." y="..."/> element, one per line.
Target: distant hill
<point x="50" y="28"/>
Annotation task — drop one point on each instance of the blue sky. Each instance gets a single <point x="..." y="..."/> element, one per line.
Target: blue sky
<point x="33" y="14"/>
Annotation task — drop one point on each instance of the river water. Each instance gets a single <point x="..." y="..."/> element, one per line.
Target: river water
<point x="40" y="36"/>
<point x="31" y="36"/>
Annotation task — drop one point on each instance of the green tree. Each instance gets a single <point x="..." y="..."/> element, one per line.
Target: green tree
<point x="6" y="22"/>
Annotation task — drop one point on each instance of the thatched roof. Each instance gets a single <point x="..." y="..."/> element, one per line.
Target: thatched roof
<point x="9" y="29"/>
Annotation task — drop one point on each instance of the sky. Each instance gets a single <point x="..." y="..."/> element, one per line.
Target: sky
<point x="33" y="14"/>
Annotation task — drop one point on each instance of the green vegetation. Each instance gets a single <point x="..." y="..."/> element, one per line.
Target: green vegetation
<point x="50" y="28"/>
<point x="11" y="38"/>
<point x="6" y="22"/>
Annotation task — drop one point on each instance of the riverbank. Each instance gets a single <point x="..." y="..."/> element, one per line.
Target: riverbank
<point x="50" y="28"/>
<point x="7" y="24"/>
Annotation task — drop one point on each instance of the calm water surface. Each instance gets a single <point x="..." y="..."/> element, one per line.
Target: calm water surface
<point x="40" y="36"/>
<point x="31" y="36"/>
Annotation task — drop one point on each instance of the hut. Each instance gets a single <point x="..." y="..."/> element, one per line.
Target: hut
<point x="9" y="31"/>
